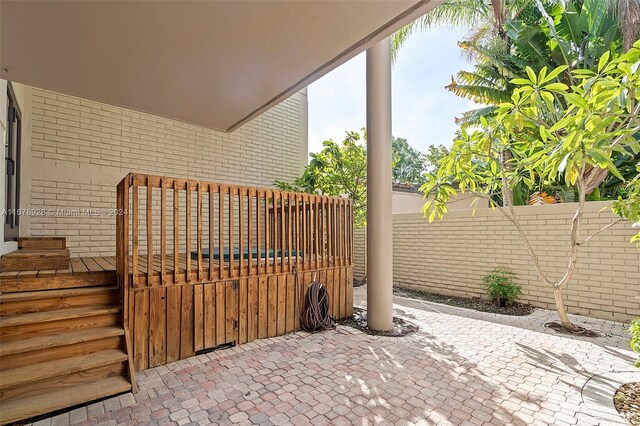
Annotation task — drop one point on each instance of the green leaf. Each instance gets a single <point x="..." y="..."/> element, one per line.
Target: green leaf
<point x="521" y="81"/>
<point x="557" y="87"/>
<point x="603" y="60"/>
<point x="532" y="75"/>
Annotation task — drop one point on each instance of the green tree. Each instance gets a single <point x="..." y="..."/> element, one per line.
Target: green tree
<point x="338" y="170"/>
<point x="408" y="163"/>
<point x="341" y="170"/>
<point x="556" y="133"/>
<point x="433" y="157"/>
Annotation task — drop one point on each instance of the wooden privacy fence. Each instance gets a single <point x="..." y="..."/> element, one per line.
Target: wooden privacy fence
<point x="203" y="264"/>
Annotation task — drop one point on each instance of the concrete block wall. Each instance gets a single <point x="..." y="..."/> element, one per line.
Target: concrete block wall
<point x="451" y="257"/>
<point x="78" y="150"/>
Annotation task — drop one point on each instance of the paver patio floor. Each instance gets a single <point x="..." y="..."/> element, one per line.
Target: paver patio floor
<point x="461" y="368"/>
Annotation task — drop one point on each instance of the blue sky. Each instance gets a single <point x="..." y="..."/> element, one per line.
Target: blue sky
<point x="423" y="110"/>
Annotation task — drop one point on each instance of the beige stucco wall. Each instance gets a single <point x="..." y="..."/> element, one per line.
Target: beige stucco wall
<point x="412" y="202"/>
<point x="78" y="150"/>
<point x="451" y="257"/>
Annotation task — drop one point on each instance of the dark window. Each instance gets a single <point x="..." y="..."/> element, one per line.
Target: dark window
<point x="12" y="167"/>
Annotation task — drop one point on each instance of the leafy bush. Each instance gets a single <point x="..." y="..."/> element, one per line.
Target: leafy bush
<point x="501" y="286"/>
<point x="634" y="329"/>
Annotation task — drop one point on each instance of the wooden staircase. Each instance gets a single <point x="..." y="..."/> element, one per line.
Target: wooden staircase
<point x="60" y="347"/>
<point x="46" y="252"/>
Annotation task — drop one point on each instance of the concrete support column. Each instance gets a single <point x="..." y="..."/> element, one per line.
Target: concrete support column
<point x="379" y="219"/>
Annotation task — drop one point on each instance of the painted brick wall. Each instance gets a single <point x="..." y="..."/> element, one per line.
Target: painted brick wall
<point x="79" y="150"/>
<point x="451" y="257"/>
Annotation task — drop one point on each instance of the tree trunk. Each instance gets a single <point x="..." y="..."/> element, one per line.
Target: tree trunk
<point x="507" y="193"/>
<point x="562" y="311"/>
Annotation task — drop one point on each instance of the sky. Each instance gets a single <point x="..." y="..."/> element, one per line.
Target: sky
<point x="423" y="110"/>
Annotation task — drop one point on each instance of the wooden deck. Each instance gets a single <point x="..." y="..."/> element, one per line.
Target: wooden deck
<point x="107" y="264"/>
<point x="79" y="265"/>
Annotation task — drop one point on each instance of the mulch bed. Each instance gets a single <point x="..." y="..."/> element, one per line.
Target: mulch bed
<point x="359" y="321"/>
<point x="627" y="402"/>
<point x="579" y="331"/>
<point x="516" y="309"/>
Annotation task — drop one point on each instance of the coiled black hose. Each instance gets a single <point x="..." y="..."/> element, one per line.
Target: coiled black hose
<point x="316" y="313"/>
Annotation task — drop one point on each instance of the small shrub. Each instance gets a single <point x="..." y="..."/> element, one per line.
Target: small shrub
<point x="634" y="329"/>
<point x="501" y="286"/>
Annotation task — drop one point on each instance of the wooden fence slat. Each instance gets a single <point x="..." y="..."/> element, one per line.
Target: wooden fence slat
<point x="231" y="312"/>
<point x="316" y="222"/>
<point x="176" y="232"/>
<point x="282" y="232"/>
<point x="209" y="315"/>
<point x="198" y="317"/>
<point x="149" y="229"/>
<point x="211" y="231"/>
<point x="199" y="231"/>
<point x="242" y="310"/>
<point x="250" y="231"/>
<point x="186" y="330"/>
<point x="275" y="227"/>
<point x="163" y="231"/>
<point x="231" y="232"/>
<point x="267" y="248"/>
<point x="157" y="327"/>
<point x="221" y="230"/>
<point x="220" y="313"/>
<point x="241" y="229"/>
<point x="134" y="230"/>
<point x="188" y="224"/>
<point x="259" y="231"/>
<point x="263" y="314"/>
<point x="174" y="317"/>
<point x="281" y="306"/>
<point x="290" y="304"/>
<point x="141" y="336"/>
<point x="289" y="225"/>
<point x="272" y="301"/>
<point x="252" y="308"/>
<point x="305" y="250"/>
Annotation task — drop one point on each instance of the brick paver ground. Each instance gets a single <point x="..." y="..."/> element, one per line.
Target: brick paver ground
<point x="461" y="368"/>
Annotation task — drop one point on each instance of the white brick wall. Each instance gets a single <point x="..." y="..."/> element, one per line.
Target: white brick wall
<point x="452" y="256"/>
<point x="80" y="149"/>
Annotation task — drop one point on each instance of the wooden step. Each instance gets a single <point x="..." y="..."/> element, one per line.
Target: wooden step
<point x="58" y="315"/>
<point x="29" y="260"/>
<point x="30" y="406"/>
<point x="20" y="346"/>
<point x="42" y="243"/>
<point x="47" y="300"/>
<point x="34" y="373"/>
<point x="35" y="324"/>
<point x="12" y="284"/>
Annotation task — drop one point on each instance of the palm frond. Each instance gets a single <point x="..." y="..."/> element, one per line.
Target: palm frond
<point x="478" y="93"/>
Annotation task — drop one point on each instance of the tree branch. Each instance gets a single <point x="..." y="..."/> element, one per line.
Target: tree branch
<point x="586" y="240"/>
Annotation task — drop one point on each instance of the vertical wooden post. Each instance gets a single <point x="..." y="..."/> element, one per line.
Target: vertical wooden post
<point x="199" y="231"/>
<point x="232" y="248"/>
<point x="211" y="230"/>
<point x="241" y="192"/>
<point x="188" y="222"/>
<point x="163" y="230"/>
<point x="282" y="231"/>
<point x="134" y="224"/>
<point x="176" y="231"/>
<point x="259" y="230"/>
<point x="250" y="229"/>
<point x="221" y="230"/>
<point x="149" y="230"/>
<point x="267" y="230"/>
